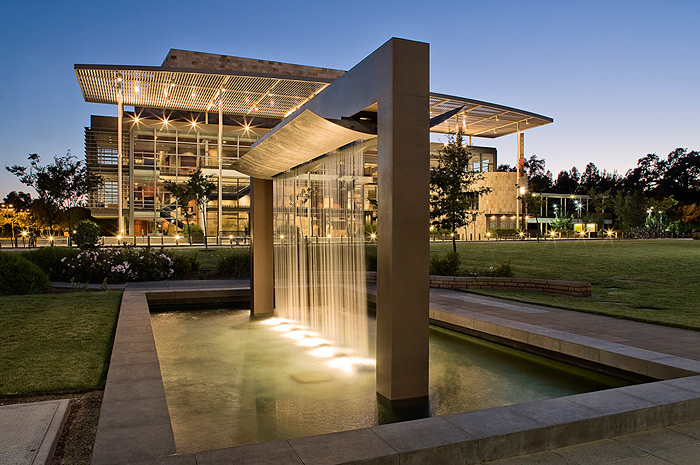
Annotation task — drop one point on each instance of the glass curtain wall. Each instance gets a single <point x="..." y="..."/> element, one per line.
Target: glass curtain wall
<point x="168" y="154"/>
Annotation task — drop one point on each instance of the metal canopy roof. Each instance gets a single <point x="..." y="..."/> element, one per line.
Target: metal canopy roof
<point x="271" y="96"/>
<point x="191" y="90"/>
<point x="482" y="119"/>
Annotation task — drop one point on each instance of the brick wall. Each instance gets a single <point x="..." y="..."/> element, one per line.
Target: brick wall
<point x="548" y="286"/>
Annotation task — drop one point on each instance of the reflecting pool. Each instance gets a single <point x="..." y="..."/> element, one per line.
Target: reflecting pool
<point x="232" y="380"/>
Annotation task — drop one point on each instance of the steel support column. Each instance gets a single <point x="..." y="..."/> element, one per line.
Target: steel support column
<point x="120" y="148"/>
<point x="220" y="152"/>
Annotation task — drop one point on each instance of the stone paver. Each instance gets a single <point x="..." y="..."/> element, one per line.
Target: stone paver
<point x="29" y="432"/>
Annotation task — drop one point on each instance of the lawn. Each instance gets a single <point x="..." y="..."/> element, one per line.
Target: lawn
<point x="207" y="258"/>
<point x="655" y="280"/>
<point x="56" y="342"/>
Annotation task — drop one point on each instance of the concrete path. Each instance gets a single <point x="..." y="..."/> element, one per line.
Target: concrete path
<point x="29" y="432"/>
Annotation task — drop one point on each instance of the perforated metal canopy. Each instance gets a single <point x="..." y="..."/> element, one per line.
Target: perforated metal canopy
<point x="167" y="88"/>
<point x="271" y="96"/>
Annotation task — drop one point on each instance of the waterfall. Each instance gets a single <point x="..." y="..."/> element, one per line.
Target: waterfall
<point x="319" y="254"/>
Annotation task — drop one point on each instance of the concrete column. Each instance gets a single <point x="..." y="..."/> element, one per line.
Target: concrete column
<point x="402" y="230"/>
<point x="261" y="236"/>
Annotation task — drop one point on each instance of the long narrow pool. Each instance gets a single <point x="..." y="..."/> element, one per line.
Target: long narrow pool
<point x="231" y="380"/>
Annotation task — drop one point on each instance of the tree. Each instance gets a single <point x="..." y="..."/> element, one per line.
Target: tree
<point x="62" y="185"/>
<point x="538" y="179"/>
<point x="454" y="194"/>
<point x="198" y="188"/>
<point x="506" y="168"/>
<point x="201" y="187"/>
<point x="590" y="178"/>
<point x="183" y="194"/>
<point x="19" y="200"/>
<point x="629" y="209"/>
<point x="567" y="181"/>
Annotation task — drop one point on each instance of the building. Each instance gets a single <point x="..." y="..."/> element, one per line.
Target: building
<point x="204" y="111"/>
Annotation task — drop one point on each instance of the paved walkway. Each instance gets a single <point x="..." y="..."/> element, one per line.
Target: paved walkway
<point x="29" y="432"/>
<point x="679" y="444"/>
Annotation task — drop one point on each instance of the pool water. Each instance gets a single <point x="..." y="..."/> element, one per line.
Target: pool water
<point x="231" y="380"/>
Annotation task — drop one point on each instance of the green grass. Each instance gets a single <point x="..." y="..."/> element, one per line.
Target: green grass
<point x="656" y="281"/>
<point x="207" y="258"/>
<point x="52" y="343"/>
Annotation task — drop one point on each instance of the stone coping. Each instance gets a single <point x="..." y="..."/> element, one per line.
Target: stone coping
<point x="134" y="424"/>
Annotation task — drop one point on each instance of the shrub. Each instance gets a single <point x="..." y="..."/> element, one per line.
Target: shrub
<point x="51" y="259"/>
<point x="234" y="264"/>
<point x="193" y="228"/>
<point x="87" y="234"/>
<point x="447" y="265"/>
<point x="371" y="257"/>
<point x="20" y="276"/>
<point x="119" y="265"/>
<point x="184" y="264"/>
<point x="504" y="232"/>
<point x="503" y="270"/>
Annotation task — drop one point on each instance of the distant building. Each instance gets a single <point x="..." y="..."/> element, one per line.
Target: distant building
<point x="202" y="110"/>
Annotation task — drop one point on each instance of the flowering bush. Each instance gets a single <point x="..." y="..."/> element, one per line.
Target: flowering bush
<point x="119" y="265"/>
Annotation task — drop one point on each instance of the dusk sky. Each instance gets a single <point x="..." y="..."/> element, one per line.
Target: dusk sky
<point x="620" y="78"/>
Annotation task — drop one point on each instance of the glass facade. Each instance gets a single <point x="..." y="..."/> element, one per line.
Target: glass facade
<point x="156" y="152"/>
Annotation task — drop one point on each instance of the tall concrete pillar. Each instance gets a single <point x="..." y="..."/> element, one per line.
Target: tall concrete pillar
<point x="261" y="236"/>
<point x="402" y="229"/>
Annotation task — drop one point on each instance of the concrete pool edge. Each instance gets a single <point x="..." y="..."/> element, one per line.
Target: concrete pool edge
<point x="135" y="425"/>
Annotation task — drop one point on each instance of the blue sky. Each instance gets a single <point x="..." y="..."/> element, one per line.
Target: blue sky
<point x="620" y="78"/>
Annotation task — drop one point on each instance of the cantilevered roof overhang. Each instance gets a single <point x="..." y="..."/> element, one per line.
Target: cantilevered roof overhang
<point x="271" y="96"/>
<point x="482" y="119"/>
<point x="302" y="139"/>
<point x="247" y="94"/>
